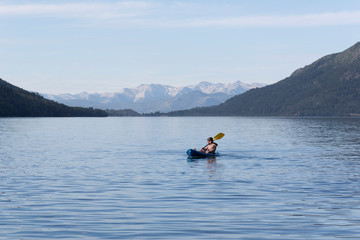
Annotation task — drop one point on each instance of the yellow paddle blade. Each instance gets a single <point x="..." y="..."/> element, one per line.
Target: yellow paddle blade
<point x="219" y="136"/>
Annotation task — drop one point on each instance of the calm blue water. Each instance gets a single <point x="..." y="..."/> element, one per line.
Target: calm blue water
<point x="129" y="178"/>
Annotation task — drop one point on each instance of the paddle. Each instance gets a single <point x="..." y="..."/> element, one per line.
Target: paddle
<point x="217" y="137"/>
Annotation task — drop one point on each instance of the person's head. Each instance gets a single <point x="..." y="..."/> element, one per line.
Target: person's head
<point x="210" y="140"/>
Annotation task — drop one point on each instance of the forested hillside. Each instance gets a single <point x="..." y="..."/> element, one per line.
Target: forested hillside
<point x="327" y="87"/>
<point x="17" y="102"/>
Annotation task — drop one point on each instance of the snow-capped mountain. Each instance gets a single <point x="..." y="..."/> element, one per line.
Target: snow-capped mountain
<point x="148" y="98"/>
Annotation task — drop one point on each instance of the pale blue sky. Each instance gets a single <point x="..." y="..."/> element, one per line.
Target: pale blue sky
<point x="104" y="46"/>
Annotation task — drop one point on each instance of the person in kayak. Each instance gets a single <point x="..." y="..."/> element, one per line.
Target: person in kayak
<point x="210" y="147"/>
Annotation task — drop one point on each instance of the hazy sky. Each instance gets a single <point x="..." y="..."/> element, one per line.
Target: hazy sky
<point x="103" y="46"/>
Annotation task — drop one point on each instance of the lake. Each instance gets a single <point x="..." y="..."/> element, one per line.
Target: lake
<point x="130" y="178"/>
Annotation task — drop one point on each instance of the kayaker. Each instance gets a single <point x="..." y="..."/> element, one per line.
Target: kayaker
<point x="210" y="147"/>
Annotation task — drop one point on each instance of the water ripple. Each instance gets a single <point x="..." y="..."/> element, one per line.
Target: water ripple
<point x="117" y="178"/>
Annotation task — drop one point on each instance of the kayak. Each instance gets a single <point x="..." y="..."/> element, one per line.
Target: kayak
<point x="197" y="154"/>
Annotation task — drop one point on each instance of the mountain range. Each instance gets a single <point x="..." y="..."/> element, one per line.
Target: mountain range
<point x="148" y="98"/>
<point x="328" y="87"/>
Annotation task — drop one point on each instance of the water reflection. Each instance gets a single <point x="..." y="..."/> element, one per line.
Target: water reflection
<point x="214" y="169"/>
<point x="210" y="165"/>
<point x="194" y="159"/>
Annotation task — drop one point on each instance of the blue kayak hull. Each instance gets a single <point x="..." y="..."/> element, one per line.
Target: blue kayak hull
<point x="197" y="154"/>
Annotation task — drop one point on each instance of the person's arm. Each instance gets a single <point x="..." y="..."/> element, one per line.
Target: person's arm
<point x="204" y="149"/>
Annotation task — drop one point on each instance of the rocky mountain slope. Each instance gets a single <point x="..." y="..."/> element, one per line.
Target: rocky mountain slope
<point x="328" y="87"/>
